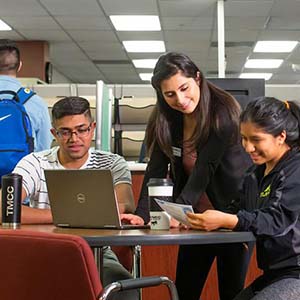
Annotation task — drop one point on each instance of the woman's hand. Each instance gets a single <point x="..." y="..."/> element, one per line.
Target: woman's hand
<point x="211" y="220"/>
<point x="131" y="219"/>
<point x="174" y="223"/>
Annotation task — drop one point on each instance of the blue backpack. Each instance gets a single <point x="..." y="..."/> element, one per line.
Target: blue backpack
<point x="16" y="138"/>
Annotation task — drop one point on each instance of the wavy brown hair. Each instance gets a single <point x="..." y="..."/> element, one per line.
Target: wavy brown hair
<point x="215" y="109"/>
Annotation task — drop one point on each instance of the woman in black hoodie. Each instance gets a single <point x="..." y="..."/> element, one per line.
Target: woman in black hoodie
<point x="270" y="199"/>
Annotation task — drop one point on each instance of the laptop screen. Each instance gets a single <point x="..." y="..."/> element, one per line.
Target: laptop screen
<point x="82" y="198"/>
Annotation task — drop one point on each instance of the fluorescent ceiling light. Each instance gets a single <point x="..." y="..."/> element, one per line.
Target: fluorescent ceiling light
<point x="146" y="76"/>
<point x="4" y="26"/>
<point x="144" y="46"/>
<point x="275" y="46"/>
<point x="265" y="76"/>
<point x="144" y="63"/>
<point x="263" y="63"/>
<point x="136" y="23"/>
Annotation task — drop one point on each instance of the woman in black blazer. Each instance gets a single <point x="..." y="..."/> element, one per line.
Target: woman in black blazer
<point x="193" y="137"/>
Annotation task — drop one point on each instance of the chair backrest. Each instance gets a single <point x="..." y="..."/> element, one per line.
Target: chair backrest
<point x="36" y="265"/>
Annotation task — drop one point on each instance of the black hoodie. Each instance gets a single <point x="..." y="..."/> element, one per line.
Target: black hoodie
<point x="270" y="209"/>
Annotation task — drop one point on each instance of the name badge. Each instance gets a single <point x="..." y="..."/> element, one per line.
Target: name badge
<point x="176" y="151"/>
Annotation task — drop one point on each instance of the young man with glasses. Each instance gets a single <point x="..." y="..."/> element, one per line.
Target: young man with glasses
<point x="73" y="129"/>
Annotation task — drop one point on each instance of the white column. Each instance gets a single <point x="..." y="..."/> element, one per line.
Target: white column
<point x="99" y="99"/>
<point x="221" y="40"/>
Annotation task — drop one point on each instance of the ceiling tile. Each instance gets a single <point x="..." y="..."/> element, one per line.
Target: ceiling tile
<point x="187" y="23"/>
<point x="73" y="7"/>
<point x="79" y="32"/>
<point x="284" y="23"/>
<point x="240" y="23"/>
<point x="129" y="7"/>
<point x="61" y="51"/>
<point x="186" y="46"/>
<point x="21" y="8"/>
<point x="34" y="22"/>
<point x="187" y="8"/>
<point x="241" y="8"/>
<point x="11" y="35"/>
<point x="93" y="36"/>
<point x="100" y="46"/>
<point x="48" y="35"/>
<point x="288" y="8"/>
<point x="183" y="36"/>
<point x="117" y="68"/>
<point x="137" y="36"/>
<point x="108" y="54"/>
<point x="83" y="23"/>
<point x="271" y="35"/>
<point x="239" y="35"/>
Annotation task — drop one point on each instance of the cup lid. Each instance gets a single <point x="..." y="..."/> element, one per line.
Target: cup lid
<point x="160" y="182"/>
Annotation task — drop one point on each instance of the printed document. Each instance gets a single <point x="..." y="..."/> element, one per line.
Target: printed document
<point x="177" y="211"/>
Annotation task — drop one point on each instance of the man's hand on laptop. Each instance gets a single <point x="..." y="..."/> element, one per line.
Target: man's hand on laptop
<point x="131" y="219"/>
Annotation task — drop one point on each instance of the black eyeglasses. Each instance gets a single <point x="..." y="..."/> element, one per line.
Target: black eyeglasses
<point x="66" y="134"/>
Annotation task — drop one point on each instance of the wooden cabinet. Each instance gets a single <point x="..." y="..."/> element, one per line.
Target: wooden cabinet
<point x="35" y="58"/>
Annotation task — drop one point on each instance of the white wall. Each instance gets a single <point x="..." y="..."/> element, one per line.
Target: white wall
<point x="283" y="91"/>
<point x="58" y="77"/>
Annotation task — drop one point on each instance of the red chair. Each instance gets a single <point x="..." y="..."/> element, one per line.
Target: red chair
<point x="48" y="266"/>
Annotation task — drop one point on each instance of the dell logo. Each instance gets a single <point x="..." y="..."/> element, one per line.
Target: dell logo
<point x="80" y="198"/>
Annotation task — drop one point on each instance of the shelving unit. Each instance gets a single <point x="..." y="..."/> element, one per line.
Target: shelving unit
<point x="132" y="107"/>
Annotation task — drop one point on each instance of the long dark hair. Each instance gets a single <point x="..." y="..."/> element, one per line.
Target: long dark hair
<point x="215" y="108"/>
<point x="274" y="116"/>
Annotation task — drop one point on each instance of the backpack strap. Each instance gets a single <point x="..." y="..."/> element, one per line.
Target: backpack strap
<point x="24" y="94"/>
<point x="8" y="93"/>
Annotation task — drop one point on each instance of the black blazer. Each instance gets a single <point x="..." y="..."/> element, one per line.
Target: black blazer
<point x="218" y="170"/>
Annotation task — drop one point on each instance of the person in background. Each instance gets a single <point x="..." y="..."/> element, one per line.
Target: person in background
<point x="269" y="203"/>
<point x="37" y="110"/>
<point x="73" y="129"/>
<point x="193" y="136"/>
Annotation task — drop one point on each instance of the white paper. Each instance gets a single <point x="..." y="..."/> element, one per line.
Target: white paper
<point x="177" y="211"/>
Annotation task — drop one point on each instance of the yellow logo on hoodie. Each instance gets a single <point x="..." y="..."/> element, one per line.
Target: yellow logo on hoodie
<point x="266" y="192"/>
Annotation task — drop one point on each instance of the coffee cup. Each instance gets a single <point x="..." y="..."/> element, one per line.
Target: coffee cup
<point x="160" y="188"/>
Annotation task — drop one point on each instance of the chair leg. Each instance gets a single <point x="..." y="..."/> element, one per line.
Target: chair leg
<point x="137" y="257"/>
<point x="137" y="265"/>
